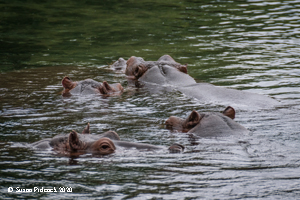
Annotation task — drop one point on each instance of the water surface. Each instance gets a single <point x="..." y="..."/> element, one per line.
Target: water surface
<point x="247" y="45"/>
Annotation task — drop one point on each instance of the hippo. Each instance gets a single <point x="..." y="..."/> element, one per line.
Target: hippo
<point x="89" y="86"/>
<point x="119" y="65"/>
<point x="162" y="71"/>
<point x="171" y="75"/>
<point x="137" y="67"/>
<point x="208" y="93"/>
<point x="207" y="124"/>
<point x="103" y="144"/>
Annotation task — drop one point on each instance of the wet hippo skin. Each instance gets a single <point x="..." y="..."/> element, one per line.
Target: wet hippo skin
<point x="89" y="86"/>
<point x="208" y="93"/>
<point x="119" y="65"/>
<point x="173" y="76"/>
<point x="102" y="144"/>
<point x="208" y="124"/>
<point x="135" y="67"/>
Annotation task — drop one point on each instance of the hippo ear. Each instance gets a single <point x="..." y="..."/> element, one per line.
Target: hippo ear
<point x="193" y="119"/>
<point x="68" y="83"/>
<point x="229" y="112"/>
<point x="183" y="68"/>
<point x="74" y="142"/>
<point x="86" y="130"/>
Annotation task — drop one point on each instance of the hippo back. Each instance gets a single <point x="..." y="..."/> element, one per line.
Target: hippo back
<point x="208" y="93"/>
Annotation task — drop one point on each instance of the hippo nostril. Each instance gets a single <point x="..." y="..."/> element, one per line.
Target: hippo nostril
<point x="105" y="146"/>
<point x="169" y="125"/>
<point x="163" y="70"/>
<point x="137" y="71"/>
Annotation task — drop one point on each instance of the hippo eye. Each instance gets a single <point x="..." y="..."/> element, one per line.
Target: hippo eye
<point x="104" y="146"/>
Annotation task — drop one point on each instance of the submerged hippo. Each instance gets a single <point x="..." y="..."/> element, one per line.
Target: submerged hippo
<point x="89" y="86"/>
<point x="137" y="67"/>
<point x="163" y="71"/>
<point x="170" y="75"/>
<point x="103" y="144"/>
<point x="119" y="65"/>
<point x="208" y="124"/>
<point x="208" y="93"/>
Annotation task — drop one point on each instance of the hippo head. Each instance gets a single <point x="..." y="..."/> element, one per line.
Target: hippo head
<point x="136" y="67"/>
<point x="90" y="86"/>
<point x="163" y="71"/>
<point x="68" y="84"/>
<point x="119" y="65"/>
<point x="102" y="146"/>
<point x="208" y="122"/>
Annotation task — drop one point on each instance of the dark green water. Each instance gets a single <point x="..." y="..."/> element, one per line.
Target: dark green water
<point x="246" y="45"/>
